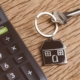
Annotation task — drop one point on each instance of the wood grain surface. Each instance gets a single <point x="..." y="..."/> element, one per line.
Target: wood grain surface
<point x="22" y="14"/>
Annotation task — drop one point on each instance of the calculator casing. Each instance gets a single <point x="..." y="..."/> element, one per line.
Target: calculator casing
<point x="23" y="49"/>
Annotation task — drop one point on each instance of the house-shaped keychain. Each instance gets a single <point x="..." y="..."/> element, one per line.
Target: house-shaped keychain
<point x="53" y="52"/>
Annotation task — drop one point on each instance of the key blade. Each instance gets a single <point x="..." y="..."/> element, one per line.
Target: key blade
<point x="72" y="13"/>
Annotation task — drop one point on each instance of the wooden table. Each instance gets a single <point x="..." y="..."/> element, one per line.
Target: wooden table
<point x="22" y="14"/>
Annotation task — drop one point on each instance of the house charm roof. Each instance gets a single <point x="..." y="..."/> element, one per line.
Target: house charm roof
<point x="53" y="52"/>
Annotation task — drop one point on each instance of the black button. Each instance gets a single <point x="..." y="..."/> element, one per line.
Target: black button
<point x="2" y="55"/>
<point x="13" y="48"/>
<point x="7" y="39"/>
<point x="20" y="58"/>
<point x="12" y="75"/>
<point x="29" y="72"/>
<point x="6" y="66"/>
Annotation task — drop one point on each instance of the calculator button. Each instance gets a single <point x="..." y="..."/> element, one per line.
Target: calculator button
<point x="29" y="72"/>
<point x="2" y="55"/>
<point x="7" y="39"/>
<point x="20" y="58"/>
<point x="3" y="30"/>
<point x="6" y="66"/>
<point x="13" y="48"/>
<point x="12" y="75"/>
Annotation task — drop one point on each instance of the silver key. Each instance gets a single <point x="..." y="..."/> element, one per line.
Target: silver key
<point x="62" y="18"/>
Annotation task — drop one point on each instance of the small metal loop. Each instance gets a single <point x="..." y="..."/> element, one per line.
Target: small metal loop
<point x="54" y="21"/>
<point x="56" y="29"/>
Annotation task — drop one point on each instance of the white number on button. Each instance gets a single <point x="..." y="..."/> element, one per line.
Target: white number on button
<point x="12" y="75"/>
<point x="6" y="65"/>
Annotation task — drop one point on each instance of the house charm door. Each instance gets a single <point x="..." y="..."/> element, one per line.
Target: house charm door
<point x="53" y="52"/>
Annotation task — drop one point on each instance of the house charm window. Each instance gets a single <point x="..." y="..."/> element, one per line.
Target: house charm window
<point x="47" y="53"/>
<point x="60" y="52"/>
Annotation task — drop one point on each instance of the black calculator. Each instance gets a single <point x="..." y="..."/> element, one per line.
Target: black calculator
<point x="16" y="62"/>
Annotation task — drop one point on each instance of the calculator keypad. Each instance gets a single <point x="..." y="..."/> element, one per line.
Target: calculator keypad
<point x="18" y="58"/>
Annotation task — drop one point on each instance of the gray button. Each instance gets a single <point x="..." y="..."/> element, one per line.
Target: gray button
<point x="29" y="72"/>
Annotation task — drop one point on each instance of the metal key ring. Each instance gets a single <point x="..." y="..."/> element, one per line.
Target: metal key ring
<point x="47" y="13"/>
